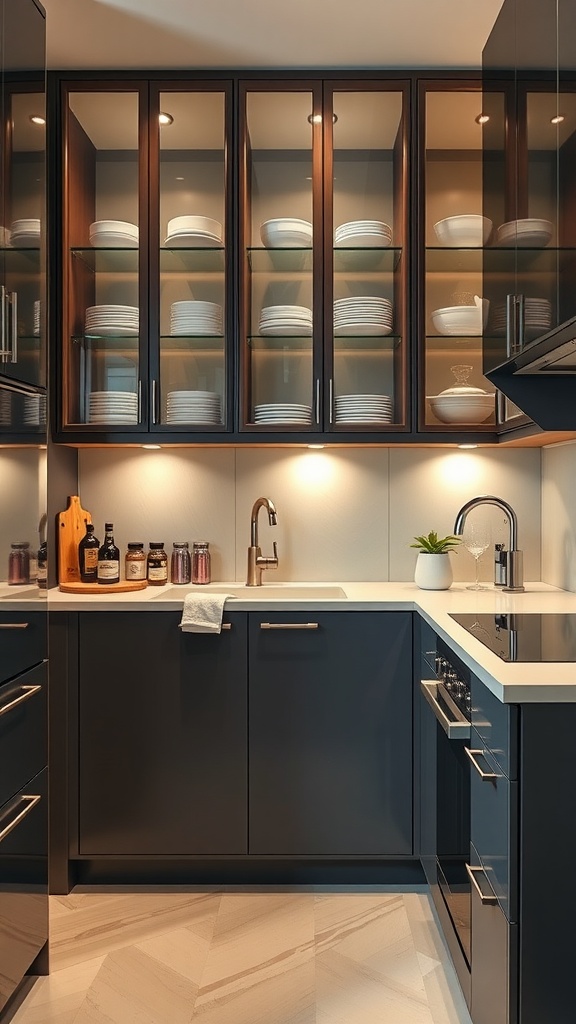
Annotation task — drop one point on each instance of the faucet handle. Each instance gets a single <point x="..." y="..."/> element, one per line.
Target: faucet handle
<point x="275" y="550"/>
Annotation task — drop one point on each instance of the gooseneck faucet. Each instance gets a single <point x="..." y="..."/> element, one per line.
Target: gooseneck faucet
<point x="256" y="560"/>
<point x="514" y="558"/>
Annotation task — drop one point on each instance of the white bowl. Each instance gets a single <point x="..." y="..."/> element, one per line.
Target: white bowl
<point x="455" y="320"/>
<point x="469" y="229"/>
<point x="475" y="408"/>
<point x="286" y="232"/>
<point x="194" y="223"/>
<point x="122" y="226"/>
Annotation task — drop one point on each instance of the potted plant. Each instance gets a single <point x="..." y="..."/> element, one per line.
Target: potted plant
<point x="433" y="569"/>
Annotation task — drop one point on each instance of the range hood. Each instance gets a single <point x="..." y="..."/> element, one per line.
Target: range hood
<point x="541" y="378"/>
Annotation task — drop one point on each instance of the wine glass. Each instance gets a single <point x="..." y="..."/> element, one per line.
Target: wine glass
<point x="476" y="539"/>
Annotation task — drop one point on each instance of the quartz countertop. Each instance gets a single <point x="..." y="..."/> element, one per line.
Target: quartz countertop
<point x="527" y="682"/>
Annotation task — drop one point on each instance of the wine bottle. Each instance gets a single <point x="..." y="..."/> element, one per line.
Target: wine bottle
<point x="109" y="558"/>
<point x="88" y="555"/>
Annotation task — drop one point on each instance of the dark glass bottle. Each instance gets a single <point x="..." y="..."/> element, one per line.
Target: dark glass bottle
<point x="109" y="558"/>
<point x="88" y="555"/>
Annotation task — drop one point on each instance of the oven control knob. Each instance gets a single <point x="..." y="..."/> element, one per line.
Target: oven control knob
<point x="451" y="680"/>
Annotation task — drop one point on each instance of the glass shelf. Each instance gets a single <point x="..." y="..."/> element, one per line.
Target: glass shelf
<point x="103" y="259"/>
<point x="199" y="260"/>
<point x="181" y="342"/>
<point x="286" y="260"/>
<point x="375" y="258"/>
<point x="286" y="343"/>
<point x="367" y="343"/>
<point x="21" y="261"/>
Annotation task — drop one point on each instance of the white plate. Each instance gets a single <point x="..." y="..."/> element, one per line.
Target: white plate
<point x="288" y="332"/>
<point x="111" y="332"/>
<point x="363" y="330"/>
<point x="188" y="241"/>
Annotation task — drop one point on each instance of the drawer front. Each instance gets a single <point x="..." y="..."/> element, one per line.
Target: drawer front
<point x="497" y="725"/>
<point x="493" y="823"/>
<point x="494" y="996"/>
<point x="23" y="642"/>
<point x="23" y="730"/>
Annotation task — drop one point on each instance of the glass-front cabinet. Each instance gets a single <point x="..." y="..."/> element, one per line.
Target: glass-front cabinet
<point x="455" y="314"/>
<point x="323" y="284"/>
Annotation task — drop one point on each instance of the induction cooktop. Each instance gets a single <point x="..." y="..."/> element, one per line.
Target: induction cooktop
<point x="526" y="636"/>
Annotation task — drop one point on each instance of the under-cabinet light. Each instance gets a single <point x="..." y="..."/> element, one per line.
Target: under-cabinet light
<point x="37" y="119"/>
<point x="467" y="446"/>
<point x="165" y="118"/>
<point x="317" y="118"/>
<point x="482" y="118"/>
<point x="557" y="120"/>
<point x="152" y="447"/>
<point x="315" y="446"/>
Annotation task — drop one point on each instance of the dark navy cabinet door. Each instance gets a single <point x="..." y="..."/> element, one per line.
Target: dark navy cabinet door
<point x="162" y="736"/>
<point x="330" y="734"/>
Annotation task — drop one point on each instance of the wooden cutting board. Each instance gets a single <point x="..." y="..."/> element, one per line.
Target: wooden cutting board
<point x="71" y="528"/>
<point x="124" y="587"/>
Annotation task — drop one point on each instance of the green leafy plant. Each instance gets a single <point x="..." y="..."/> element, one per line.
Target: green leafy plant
<point x="435" y="545"/>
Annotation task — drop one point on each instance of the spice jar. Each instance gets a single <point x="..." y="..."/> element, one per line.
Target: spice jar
<point x="157" y="564"/>
<point x="19" y="564"/>
<point x="135" y="565"/>
<point x="180" y="566"/>
<point x="200" y="562"/>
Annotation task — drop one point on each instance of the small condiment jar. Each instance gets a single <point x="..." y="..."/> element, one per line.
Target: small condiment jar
<point x="180" y="566"/>
<point x="200" y="562"/>
<point x="19" y="564"/>
<point x="135" y="565"/>
<point x="157" y="564"/>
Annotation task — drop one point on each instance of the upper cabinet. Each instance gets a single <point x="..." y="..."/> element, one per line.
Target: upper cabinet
<point x="530" y="150"/>
<point x="22" y="211"/>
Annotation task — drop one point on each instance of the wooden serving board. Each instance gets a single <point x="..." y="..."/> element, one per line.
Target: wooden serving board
<point x="103" y="588"/>
<point x="71" y="527"/>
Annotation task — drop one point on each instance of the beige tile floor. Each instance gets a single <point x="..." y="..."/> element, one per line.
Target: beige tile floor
<point x="272" y="957"/>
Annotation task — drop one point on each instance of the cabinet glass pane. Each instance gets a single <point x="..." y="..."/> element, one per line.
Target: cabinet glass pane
<point x="368" y="229"/>
<point x="455" y="314"/>
<point x="103" y="315"/>
<point x="192" y="277"/>
<point x="279" y="260"/>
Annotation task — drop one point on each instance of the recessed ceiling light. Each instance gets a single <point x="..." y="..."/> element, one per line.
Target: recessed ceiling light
<point x="467" y="445"/>
<point x="482" y="118"/>
<point x="165" y="118"/>
<point x="179" y="178"/>
<point x="37" y="119"/>
<point x="317" y="118"/>
<point x="152" y="447"/>
<point x="557" y="120"/>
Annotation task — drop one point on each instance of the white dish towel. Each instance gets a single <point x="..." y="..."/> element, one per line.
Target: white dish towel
<point x="202" y="613"/>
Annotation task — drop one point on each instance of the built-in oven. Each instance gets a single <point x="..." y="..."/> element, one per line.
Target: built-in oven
<point x="445" y="799"/>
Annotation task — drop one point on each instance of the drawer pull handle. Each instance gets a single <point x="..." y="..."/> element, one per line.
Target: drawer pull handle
<point x="30" y="802"/>
<point x="14" y="625"/>
<point x="490" y="899"/>
<point x="226" y="625"/>
<point x="27" y="692"/>
<point x="485" y="776"/>
<point x="288" y="625"/>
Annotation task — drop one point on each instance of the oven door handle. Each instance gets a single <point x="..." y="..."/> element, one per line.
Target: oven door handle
<point x="487" y="898"/>
<point x="457" y="727"/>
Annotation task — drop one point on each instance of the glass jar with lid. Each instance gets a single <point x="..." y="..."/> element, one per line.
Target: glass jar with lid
<point x="180" y="565"/>
<point x="157" y="563"/>
<point x="135" y="564"/>
<point x="200" y="562"/>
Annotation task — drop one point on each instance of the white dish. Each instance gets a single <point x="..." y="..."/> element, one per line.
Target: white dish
<point x="363" y="330"/>
<point x="194" y="222"/>
<point x="192" y="241"/>
<point x="112" y="332"/>
<point x="469" y="230"/>
<point x="288" y="332"/>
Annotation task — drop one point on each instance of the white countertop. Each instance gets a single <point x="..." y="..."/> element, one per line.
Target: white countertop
<point x="510" y="682"/>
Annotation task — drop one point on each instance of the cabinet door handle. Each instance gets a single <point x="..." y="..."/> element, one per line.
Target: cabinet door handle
<point x="27" y="692"/>
<point x="289" y="625"/>
<point x="14" y="625"/>
<point x="485" y="776"/>
<point x="139" y="401"/>
<point x="4" y="352"/>
<point x="331" y="400"/>
<point x="153" y="401"/>
<point x="14" y="309"/>
<point x="317" y="401"/>
<point x="226" y="625"/>
<point x="490" y="899"/>
<point x="457" y="727"/>
<point x="30" y="802"/>
<point x="520" y="311"/>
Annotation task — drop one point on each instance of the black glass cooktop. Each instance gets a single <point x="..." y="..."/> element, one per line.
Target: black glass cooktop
<point x="525" y="637"/>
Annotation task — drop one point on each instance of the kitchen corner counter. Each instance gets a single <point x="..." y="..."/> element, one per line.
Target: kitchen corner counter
<point x="512" y="683"/>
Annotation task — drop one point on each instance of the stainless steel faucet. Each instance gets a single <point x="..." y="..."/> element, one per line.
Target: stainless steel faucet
<point x="256" y="560"/>
<point x="514" y="583"/>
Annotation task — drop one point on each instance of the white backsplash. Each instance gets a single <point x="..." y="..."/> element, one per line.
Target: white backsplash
<point x="343" y="514"/>
<point x="559" y="516"/>
<point x="22" y="499"/>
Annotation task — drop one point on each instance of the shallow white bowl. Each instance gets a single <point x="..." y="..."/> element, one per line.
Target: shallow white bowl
<point x="194" y="223"/>
<point x="453" y="320"/>
<point x="286" y="232"/>
<point x="469" y="229"/>
<point x="461" y="408"/>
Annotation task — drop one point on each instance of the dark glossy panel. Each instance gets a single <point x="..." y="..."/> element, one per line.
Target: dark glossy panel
<point x="494" y="828"/>
<point x="497" y="726"/>
<point x="330" y="735"/>
<point x="21" y="648"/>
<point x="23" y="730"/>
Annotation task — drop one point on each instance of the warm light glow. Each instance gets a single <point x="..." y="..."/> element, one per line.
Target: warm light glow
<point x="314" y="469"/>
<point x="467" y="445"/>
<point x="315" y="446"/>
<point x="165" y="118"/>
<point x="482" y="118"/>
<point x="458" y="470"/>
<point x="152" y="447"/>
<point x="37" y="119"/>
<point x="557" y="120"/>
<point x="317" y="118"/>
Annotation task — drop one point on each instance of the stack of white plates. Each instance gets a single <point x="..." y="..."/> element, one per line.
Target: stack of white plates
<point x="117" y="234"/>
<point x="286" y="232"/>
<point x="528" y="232"/>
<point x="113" y="407"/>
<point x="112" y="320"/>
<point x="364" y="409"/>
<point x="363" y="315"/>
<point x="363" y="233"/>
<point x="278" y="412"/>
<point x="34" y="410"/>
<point x="193" y="407"/>
<point x="5" y="408"/>
<point x="281" y="321"/>
<point x="25" y="233"/>
<point x="193" y="232"/>
<point x="4" y="237"/>
<point x="194" y="317"/>
<point x="36" y="327"/>
<point x="537" y="318"/>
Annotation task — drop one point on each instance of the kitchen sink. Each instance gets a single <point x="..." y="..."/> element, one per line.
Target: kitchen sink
<point x="286" y="592"/>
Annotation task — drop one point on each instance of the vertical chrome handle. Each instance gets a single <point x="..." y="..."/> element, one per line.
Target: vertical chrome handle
<point x="153" y="402"/>
<point x="139" y="401"/>
<point x="510" y="323"/>
<point x="317" y="401"/>
<point x="520" y="307"/>
<point x="500" y="407"/>
<point x="331" y="400"/>
<point x="14" y="306"/>
<point x="4" y="353"/>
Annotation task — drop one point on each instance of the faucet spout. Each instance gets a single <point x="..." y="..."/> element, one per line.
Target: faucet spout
<point x="514" y="557"/>
<point x="257" y="562"/>
<point x="272" y="517"/>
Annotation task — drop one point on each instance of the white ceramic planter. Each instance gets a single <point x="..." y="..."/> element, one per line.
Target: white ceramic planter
<point x="433" y="572"/>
